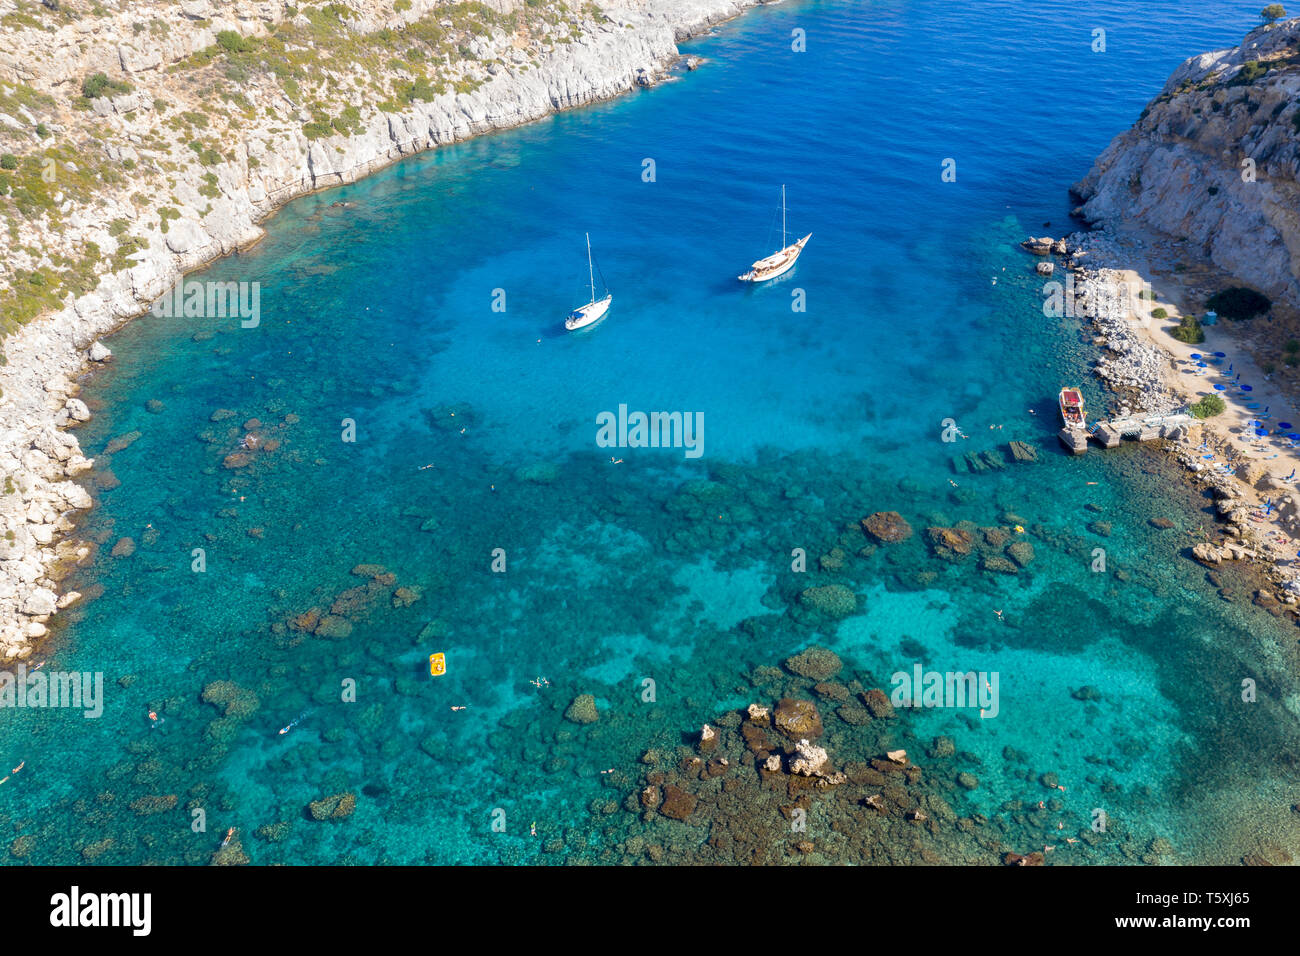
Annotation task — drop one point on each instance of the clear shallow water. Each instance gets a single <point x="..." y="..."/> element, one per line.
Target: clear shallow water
<point x="382" y="313"/>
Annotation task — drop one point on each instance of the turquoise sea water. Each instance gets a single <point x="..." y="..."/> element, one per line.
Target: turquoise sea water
<point x="380" y="313"/>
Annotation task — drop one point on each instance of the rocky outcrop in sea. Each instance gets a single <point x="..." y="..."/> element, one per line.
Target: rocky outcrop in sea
<point x="1214" y="160"/>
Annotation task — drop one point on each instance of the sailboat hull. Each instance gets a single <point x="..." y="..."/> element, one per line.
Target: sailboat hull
<point x="589" y="314"/>
<point x="777" y="264"/>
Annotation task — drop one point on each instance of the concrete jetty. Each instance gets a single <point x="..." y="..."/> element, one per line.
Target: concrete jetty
<point x="1110" y="433"/>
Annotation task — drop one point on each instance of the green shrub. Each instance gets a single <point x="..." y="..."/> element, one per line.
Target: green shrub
<point x="100" y="85"/>
<point x="1250" y="71"/>
<point x="1272" y="13"/>
<point x="1208" y="407"/>
<point x="8" y="161"/>
<point x="1188" y="330"/>
<point x="317" y="130"/>
<point x="1159" y="314"/>
<point x="232" y="42"/>
<point x="1239" y="303"/>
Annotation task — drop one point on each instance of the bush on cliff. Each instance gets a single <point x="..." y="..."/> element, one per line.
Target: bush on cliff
<point x="100" y="85"/>
<point x="1208" y="407"/>
<point x="1250" y="71"/>
<point x="1272" y="13"/>
<point x="1239" y="303"/>
<point x="1188" y="330"/>
<point x="232" y="42"/>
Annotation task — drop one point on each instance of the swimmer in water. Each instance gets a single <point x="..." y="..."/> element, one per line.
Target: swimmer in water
<point x="1000" y="617"/>
<point x="154" y="719"/>
<point x="230" y="835"/>
<point x="462" y="707"/>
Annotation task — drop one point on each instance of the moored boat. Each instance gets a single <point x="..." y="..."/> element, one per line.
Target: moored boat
<point x="1072" y="414"/>
<point x="779" y="262"/>
<point x="595" y="309"/>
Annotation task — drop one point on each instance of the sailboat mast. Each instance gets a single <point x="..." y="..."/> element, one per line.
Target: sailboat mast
<point x="591" y="274"/>
<point x="783" y="215"/>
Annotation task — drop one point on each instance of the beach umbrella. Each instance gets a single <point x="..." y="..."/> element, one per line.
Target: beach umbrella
<point x="1247" y="388"/>
<point x="1293" y="436"/>
<point x="1197" y="356"/>
<point x="1220" y="354"/>
<point x="1261" y="432"/>
<point x="1284" y="425"/>
<point x="1253" y="405"/>
<point x="1220" y="388"/>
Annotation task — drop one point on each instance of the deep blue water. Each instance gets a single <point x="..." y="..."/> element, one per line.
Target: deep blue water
<point x="919" y="308"/>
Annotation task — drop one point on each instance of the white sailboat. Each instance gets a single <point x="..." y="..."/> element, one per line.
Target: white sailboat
<point x="595" y="309"/>
<point x="779" y="262"/>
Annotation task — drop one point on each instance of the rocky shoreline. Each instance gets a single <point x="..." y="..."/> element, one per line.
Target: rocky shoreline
<point x="630" y="44"/>
<point x="1104" y="294"/>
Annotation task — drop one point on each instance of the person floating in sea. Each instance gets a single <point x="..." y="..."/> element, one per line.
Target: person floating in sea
<point x="1000" y="617"/>
<point x="461" y="707"/>
<point x="154" y="719"/>
<point x="615" y="461"/>
<point x="423" y="467"/>
<point x="292" y="724"/>
<point x="532" y="830"/>
<point x="230" y="835"/>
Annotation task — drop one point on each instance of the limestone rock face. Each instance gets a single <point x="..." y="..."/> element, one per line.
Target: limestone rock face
<point x="1179" y="169"/>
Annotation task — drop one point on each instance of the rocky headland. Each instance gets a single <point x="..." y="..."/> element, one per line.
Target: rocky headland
<point x="141" y="140"/>
<point x="1201" y="195"/>
<point x="1213" y="161"/>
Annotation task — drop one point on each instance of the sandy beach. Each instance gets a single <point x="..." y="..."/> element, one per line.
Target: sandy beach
<point x="1263" y="468"/>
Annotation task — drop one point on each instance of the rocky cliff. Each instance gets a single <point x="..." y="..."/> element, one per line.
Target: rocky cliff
<point x="1214" y="160"/>
<point x="141" y="139"/>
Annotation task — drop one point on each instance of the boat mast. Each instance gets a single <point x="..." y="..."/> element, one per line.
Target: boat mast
<point x="783" y="215"/>
<point x="590" y="273"/>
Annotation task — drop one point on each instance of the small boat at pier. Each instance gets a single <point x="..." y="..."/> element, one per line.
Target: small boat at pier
<point x="1072" y="414"/>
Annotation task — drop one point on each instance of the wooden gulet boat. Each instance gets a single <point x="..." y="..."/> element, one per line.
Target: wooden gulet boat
<point x="779" y="262"/>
